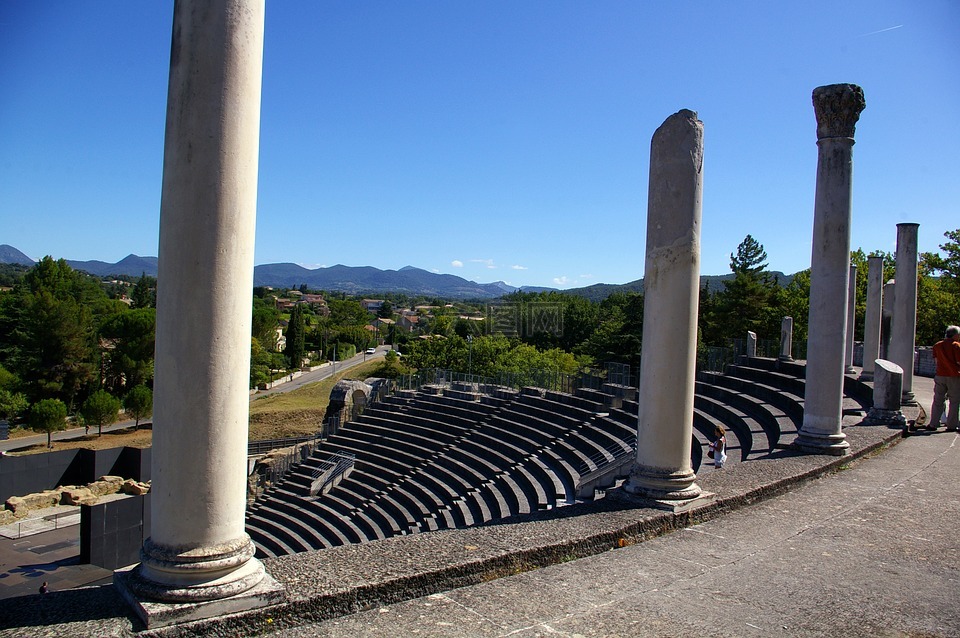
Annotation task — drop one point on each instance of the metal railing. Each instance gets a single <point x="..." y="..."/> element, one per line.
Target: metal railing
<point x="284" y="464"/>
<point x="31" y="526"/>
<point x="261" y="447"/>
<point x="593" y="378"/>
<point x="330" y="470"/>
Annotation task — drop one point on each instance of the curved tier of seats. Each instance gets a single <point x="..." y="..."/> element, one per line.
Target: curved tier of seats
<point x="466" y="455"/>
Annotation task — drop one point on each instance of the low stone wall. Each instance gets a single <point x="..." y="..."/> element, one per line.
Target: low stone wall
<point x="287" y="379"/>
<point x="19" y="507"/>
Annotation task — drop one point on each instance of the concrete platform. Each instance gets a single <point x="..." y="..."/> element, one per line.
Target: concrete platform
<point x="793" y="545"/>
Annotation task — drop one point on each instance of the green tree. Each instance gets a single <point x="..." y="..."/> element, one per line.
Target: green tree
<point x="138" y="403"/>
<point x="48" y="415"/>
<point x="47" y="330"/>
<point x="265" y="320"/>
<point x="101" y="408"/>
<point x="749" y="301"/>
<point x="296" y="335"/>
<point x="750" y="258"/>
<point x="144" y="293"/>
<point x="128" y="340"/>
<point x="386" y="310"/>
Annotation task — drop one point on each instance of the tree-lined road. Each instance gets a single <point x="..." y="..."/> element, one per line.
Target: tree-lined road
<point x="308" y="377"/>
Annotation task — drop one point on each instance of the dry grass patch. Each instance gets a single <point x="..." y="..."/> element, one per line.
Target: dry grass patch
<point x="127" y="437"/>
<point x="276" y="416"/>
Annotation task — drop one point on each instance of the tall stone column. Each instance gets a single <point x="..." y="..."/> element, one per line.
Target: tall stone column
<point x="871" y="322"/>
<point x="851" y="320"/>
<point x="198" y="549"/>
<point x="786" y="339"/>
<point x="663" y="471"/>
<point x="886" y="318"/>
<point x="904" y="329"/>
<point x="837" y="108"/>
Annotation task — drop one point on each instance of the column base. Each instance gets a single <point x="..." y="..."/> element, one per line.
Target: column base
<point x="621" y="495"/>
<point x="662" y="485"/>
<point x="907" y="398"/>
<point x="785" y="357"/>
<point x="130" y="585"/>
<point x="849" y="370"/>
<point x="865" y="376"/>
<point x="828" y="444"/>
<point x="879" y="416"/>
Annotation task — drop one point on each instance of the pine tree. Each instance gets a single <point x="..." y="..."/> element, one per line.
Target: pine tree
<point x="296" y="337"/>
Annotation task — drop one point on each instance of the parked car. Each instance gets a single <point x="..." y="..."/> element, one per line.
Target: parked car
<point x="371" y="351"/>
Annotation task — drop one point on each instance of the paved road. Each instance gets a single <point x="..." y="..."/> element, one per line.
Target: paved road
<point x="308" y="377"/>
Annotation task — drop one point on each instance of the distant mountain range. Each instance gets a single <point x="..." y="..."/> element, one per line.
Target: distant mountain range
<point x="363" y="280"/>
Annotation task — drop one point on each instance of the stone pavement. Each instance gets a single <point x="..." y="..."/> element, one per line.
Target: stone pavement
<point x="51" y="556"/>
<point x="868" y="549"/>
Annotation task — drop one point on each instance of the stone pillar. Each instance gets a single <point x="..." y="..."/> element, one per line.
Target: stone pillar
<point x="751" y="344"/>
<point x="198" y="550"/>
<point x="786" y="339"/>
<point x="886" y="318"/>
<point x="904" y="327"/>
<point x="851" y="320"/>
<point x="887" y="390"/>
<point x="663" y="471"/>
<point x="837" y="108"/>
<point x="872" y="316"/>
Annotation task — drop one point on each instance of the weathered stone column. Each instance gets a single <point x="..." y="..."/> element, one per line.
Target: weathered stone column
<point x="837" y="108"/>
<point x="886" y="318"/>
<point x="198" y="549"/>
<point x="871" y="322"/>
<point x="904" y="329"/>
<point x="786" y="339"/>
<point x="851" y="320"/>
<point x="751" y="344"/>
<point x="887" y="390"/>
<point x="663" y="470"/>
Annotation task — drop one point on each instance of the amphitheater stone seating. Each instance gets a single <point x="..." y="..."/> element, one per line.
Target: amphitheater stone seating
<point x="460" y="454"/>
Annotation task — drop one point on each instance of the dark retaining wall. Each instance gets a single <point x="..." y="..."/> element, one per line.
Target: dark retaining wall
<point x="20" y="475"/>
<point x="112" y="533"/>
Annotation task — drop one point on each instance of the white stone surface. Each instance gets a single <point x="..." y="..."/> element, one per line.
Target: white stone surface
<point x="872" y="317"/>
<point x="837" y="108"/>
<point x="851" y="320"/>
<point x="207" y="223"/>
<point x="671" y="292"/>
<point x="786" y="339"/>
<point x="904" y="329"/>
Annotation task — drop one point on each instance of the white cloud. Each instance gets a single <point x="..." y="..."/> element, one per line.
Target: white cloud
<point x="312" y="266"/>
<point x="518" y="267"/>
<point x="561" y="281"/>
<point x="486" y="262"/>
<point x="435" y="270"/>
<point x="456" y="263"/>
<point x="586" y="276"/>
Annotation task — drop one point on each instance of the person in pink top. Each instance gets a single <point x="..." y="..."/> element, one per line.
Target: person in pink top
<point x="946" y="384"/>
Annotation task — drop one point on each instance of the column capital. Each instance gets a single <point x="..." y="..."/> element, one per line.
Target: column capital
<point x="837" y="108"/>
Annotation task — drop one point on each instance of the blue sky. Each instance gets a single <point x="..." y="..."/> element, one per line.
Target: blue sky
<point x="491" y="140"/>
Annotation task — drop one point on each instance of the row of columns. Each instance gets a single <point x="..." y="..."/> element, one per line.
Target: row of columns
<point x="198" y="550"/>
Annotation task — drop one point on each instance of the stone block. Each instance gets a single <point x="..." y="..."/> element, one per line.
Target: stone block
<point x="134" y="488"/>
<point x="72" y="495"/>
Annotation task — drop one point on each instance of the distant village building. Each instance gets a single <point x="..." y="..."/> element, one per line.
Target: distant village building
<point x="372" y="305"/>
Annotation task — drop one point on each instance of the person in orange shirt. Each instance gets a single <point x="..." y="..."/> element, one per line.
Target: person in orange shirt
<point x="946" y="384"/>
